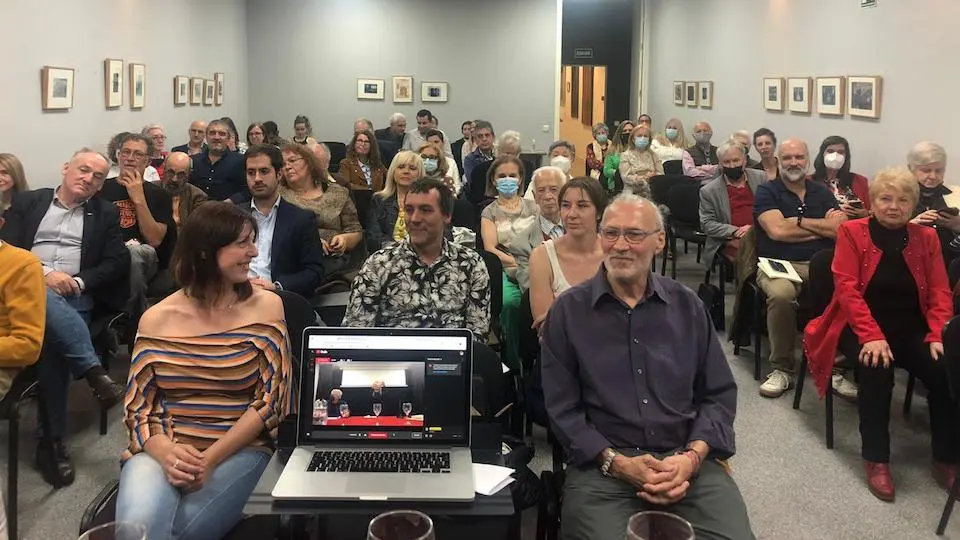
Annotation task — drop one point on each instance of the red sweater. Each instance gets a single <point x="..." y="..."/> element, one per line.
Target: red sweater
<point x="854" y="262"/>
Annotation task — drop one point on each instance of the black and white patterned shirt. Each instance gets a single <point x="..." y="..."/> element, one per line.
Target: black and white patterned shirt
<point x="396" y="289"/>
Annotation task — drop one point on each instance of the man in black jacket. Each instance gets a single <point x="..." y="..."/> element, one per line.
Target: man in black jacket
<point x="86" y="268"/>
<point x="289" y="253"/>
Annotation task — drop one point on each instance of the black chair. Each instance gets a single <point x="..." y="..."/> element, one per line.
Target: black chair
<point x="617" y="185"/>
<point x="673" y="166"/>
<point x="103" y="334"/>
<point x="23" y="388"/>
<point x="951" y="362"/>
<point x="338" y="151"/>
<point x="953" y="273"/>
<point x="489" y="395"/>
<point x="529" y="345"/>
<point x="362" y="199"/>
<point x="465" y="215"/>
<point x="683" y="202"/>
<point x="299" y="314"/>
<point x="495" y="270"/>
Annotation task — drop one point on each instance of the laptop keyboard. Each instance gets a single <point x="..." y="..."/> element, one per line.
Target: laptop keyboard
<point x="388" y="462"/>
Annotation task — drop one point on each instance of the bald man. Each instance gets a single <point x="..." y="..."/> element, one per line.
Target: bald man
<point x="197" y="142"/>
<point x="700" y="160"/>
<point x="186" y="196"/>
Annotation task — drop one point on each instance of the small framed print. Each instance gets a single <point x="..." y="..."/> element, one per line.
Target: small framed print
<point x="56" y="88"/>
<point x="369" y="88"/>
<point x="209" y="89"/>
<point x="218" y="89"/>
<point x="863" y="96"/>
<point x="705" y="92"/>
<point x="691" y="91"/>
<point x="403" y="89"/>
<point x="181" y="90"/>
<point x="113" y="82"/>
<point x="678" y="93"/>
<point x="138" y="86"/>
<point x="831" y="96"/>
<point x="798" y="94"/>
<point x="433" y="91"/>
<point x="773" y="94"/>
<point x="196" y="91"/>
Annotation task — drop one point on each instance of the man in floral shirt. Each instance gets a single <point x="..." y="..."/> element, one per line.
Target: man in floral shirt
<point x="424" y="281"/>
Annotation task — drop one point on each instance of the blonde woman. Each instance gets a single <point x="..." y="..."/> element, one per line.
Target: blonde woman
<point x="670" y="144"/>
<point x="386" y="223"/>
<point x="437" y="166"/>
<point x="638" y="163"/>
<point x="621" y="141"/>
<point x="12" y="179"/>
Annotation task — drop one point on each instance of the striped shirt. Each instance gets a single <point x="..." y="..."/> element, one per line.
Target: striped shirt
<point x="194" y="389"/>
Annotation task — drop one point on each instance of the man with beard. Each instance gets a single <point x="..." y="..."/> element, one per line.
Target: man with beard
<point x="184" y="195"/>
<point x="217" y="170"/>
<point x="795" y="217"/>
<point x="639" y="392"/>
<point x="424" y="281"/>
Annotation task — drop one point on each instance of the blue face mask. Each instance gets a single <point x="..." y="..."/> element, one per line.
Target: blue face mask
<point x="672" y="133"/>
<point x="508" y="186"/>
<point x="430" y="165"/>
<point x="602" y="138"/>
<point x="641" y="143"/>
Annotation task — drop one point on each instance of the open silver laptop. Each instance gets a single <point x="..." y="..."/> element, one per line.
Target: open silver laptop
<point x="384" y="415"/>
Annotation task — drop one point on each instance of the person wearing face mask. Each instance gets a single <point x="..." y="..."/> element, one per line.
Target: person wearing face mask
<point x="436" y="167"/>
<point x="638" y="163"/>
<point x="437" y="138"/>
<point x="597" y="150"/>
<point x="928" y="162"/>
<point x="562" y="154"/>
<point x="700" y="160"/>
<point x="501" y="223"/>
<point x="832" y="167"/>
<point x="670" y="144"/>
<point x="620" y="142"/>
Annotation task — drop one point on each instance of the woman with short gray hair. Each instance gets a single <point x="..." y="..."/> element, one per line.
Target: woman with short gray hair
<point x="939" y="205"/>
<point x="597" y="150"/>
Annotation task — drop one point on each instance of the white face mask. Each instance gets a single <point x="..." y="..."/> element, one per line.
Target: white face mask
<point x="834" y="160"/>
<point x="562" y="163"/>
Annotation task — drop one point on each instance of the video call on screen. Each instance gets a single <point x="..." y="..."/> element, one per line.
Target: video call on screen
<point x="388" y="394"/>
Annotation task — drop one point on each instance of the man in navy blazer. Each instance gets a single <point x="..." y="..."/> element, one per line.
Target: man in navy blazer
<point x="289" y="253"/>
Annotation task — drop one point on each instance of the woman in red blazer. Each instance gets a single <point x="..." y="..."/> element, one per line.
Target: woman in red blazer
<point x="890" y="303"/>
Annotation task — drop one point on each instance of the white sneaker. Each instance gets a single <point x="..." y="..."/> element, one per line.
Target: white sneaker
<point x="776" y="384"/>
<point x="844" y="387"/>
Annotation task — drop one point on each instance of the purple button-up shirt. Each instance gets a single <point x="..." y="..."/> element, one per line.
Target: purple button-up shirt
<point x="653" y="377"/>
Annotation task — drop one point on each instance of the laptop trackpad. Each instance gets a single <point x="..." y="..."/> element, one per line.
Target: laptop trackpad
<point x="373" y="485"/>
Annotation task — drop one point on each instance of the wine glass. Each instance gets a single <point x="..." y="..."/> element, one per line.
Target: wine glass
<point x="344" y="409"/>
<point x="401" y="525"/>
<point x="407" y="408"/>
<point x="377" y="409"/>
<point x="654" y="525"/>
<point x="116" y="530"/>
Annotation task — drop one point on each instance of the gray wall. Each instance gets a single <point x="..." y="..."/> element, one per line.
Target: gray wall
<point x="172" y="37"/>
<point x="499" y="57"/>
<point x="736" y="43"/>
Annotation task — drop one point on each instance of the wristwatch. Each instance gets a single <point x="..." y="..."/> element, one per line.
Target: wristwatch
<point x="608" y="456"/>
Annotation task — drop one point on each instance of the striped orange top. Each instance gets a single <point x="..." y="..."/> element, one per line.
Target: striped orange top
<point x="194" y="389"/>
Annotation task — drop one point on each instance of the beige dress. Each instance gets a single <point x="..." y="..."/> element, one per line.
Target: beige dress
<point x="334" y="209"/>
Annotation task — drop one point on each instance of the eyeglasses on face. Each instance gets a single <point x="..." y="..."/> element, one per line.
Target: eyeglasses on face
<point x="134" y="153"/>
<point x="632" y="236"/>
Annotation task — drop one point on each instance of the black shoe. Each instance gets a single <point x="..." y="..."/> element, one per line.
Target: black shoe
<point x="107" y="391"/>
<point x="54" y="463"/>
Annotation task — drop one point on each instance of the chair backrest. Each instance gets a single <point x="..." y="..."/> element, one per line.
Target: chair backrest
<point x="495" y="270"/>
<point x="660" y="185"/>
<point x="953" y="273"/>
<point x="489" y="393"/>
<point x="338" y="151"/>
<point x="299" y="314"/>
<point x="673" y="167"/>
<point x="951" y="356"/>
<point x="478" y="183"/>
<point x="683" y="200"/>
<point x="362" y="199"/>
<point x="617" y="185"/>
<point x="465" y="215"/>
<point x="820" y="286"/>
<point x="529" y="341"/>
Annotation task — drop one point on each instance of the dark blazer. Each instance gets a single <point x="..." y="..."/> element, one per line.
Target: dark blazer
<point x="457" y="149"/>
<point x="104" y="259"/>
<point x="296" y="260"/>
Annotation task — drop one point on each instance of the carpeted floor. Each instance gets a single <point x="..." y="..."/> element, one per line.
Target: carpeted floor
<point x="794" y="487"/>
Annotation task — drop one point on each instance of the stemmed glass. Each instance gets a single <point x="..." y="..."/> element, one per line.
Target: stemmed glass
<point x="407" y="409"/>
<point x="344" y="409"/>
<point x="377" y="409"/>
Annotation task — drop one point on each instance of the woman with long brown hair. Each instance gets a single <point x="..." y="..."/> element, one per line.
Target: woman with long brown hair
<point x="363" y="167"/>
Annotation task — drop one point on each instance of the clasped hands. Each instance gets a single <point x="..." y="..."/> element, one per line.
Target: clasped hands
<point x="657" y="481"/>
<point x="186" y="467"/>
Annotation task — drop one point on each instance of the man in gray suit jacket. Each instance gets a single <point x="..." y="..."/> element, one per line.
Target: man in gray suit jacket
<point x="717" y="219"/>
<point x="546" y="182"/>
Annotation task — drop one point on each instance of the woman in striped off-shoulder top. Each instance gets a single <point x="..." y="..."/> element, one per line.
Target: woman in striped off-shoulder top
<point x="208" y="386"/>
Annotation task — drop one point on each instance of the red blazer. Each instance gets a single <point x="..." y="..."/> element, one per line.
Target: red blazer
<point x="854" y="262"/>
<point x="861" y="188"/>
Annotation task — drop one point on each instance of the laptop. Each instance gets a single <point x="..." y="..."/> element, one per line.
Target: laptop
<point x="384" y="415"/>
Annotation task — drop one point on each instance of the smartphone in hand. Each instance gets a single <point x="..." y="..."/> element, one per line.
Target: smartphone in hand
<point x="949" y="211"/>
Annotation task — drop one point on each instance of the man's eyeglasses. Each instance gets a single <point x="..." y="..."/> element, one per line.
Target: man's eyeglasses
<point x="179" y="175"/>
<point x="632" y="236"/>
<point x="131" y="153"/>
<point x="159" y="137"/>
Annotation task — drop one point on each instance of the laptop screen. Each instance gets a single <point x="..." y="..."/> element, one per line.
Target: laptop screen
<point x="372" y="385"/>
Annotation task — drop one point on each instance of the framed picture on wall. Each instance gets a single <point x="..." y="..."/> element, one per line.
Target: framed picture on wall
<point x="181" y="90"/>
<point x="773" y="94"/>
<point x="434" y="91"/>
<point x="56" y="88"/>
<point x="798" y="94"/>
<point x="138" y="86"/>
<point x="403" y="89"/>
<point x="678" y="93"/>
<point x="369" y="88"/>
<point x="218" y="89"/>
<point x="196" y="91"/>
<point x="705" y="91"/>
<point x="209" y="89"/>
<point x="863" y="96"/>
<point x="113" y="82"/>
<point x="830" y="96"/>
<point x="691" y="94"/>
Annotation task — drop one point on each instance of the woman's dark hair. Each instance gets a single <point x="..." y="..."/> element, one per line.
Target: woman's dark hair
<point x="764" y="131"/>
<point x="271" y="133"/>
<point x="317" y="175"/>
<point x="301" y="119"/>
<point x="232" y="126"/>
<point x="844" y="178"/>
<point x="497" y="163"/>
<point x="211" y="227"/>
<point x="595" y="192"/>
<point x="373" y="157"/>
<point x="255" y="125"/>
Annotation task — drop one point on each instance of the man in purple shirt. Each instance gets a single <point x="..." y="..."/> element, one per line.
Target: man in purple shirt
<point x="639" y="392"/>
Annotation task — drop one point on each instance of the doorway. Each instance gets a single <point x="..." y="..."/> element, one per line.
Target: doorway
<point x="583" y="103"/>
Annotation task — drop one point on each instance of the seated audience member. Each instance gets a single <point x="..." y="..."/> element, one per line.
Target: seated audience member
<point x="547" y="182"/>
<point x="436" y="137"/>
<point x="12" y="179"/>
<point x="638" y="163"/>
<point x="832" y="167"/>
<point x="322" y="152"/>
<point x="146" y="218"/>
<point x="201" y="430"/>
<point x="423" y="280"/>
<point x="233" y="138"/>
<point x="743" y="137"/>
<point x="155" y="133"/>
<point x="386" y="223"/>
<point x="289" y="257"/>
<point x="415" y="138"/>
<point x="597" y="150"/>
<point x="561" y="154"/>
<point x="484" y="192"/>
<point x="765" y="141"/>
<point x="621" y="141"/>
<point x="469" y="144"/>
<point x="890" y="303"/>
<point x="306" y="185"/>
<point x="303" y="131"/>
<point x="362" y="168"/>
<point x="149" y="174"/>
<point x="77" y="238"/>
<point x="436" y="166"/>
<point x="217" y="170"/>
<point x="726" y="203"/>
<point x="670" y="145"/>
<point x="928" y="162"/>
<point x="647" y="442"/>
<point x="795" y="218"/>
<point x="255" y="134"/>
<point x="502" y="223"/>
<point x="395" y="132"/>
<point x="336" y="403"/>
<point x="196" y="142"/>
<point x="574" y="257"/>
<point x="645" y="120"/>
<point x="484" y="152"/>
<point x="185" y="197"/>
<point x="362" y="124"/>
<point x="700" y="160"/>
<point x="459" y="146"/>
<point x="271" y="134"/>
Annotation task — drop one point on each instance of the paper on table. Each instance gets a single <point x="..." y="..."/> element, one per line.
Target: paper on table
<point x="489" y="479"/>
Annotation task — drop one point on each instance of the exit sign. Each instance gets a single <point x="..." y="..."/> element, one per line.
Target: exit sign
<point x="583" y="53"/>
